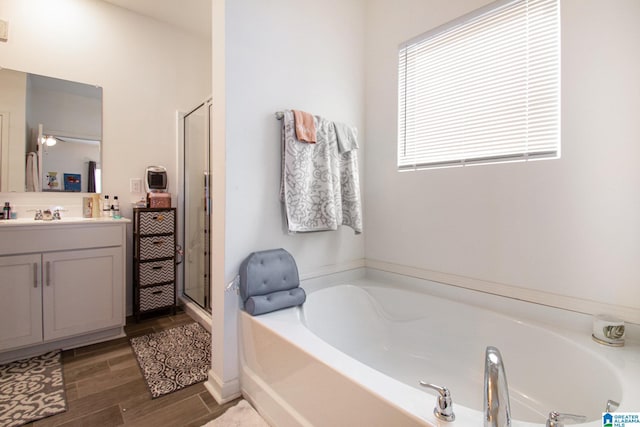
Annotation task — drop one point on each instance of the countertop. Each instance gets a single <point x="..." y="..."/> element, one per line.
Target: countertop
<point x="24" y="222"/>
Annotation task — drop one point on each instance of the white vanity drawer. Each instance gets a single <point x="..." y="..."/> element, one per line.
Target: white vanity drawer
<point x="59" y="237"/>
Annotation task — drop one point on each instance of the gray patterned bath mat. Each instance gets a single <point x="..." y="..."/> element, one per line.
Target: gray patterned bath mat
<point x="31" y="389"/>
<point x="174" y="358"/>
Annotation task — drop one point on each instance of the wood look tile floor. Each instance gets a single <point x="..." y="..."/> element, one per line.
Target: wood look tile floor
<point x="105" y="387"/>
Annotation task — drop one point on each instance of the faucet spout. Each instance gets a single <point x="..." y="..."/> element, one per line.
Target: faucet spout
<point x="497" y="412"/>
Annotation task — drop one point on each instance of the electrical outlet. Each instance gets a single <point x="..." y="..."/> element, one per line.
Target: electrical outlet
<point x="135" y="185"/>
<point x="4" y="30"/>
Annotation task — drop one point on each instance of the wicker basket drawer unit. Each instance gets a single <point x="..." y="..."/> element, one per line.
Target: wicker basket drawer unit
<point x="154" y="259"/>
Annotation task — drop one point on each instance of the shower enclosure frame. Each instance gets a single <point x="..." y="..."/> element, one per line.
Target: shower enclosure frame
<point x="200" y="306"/>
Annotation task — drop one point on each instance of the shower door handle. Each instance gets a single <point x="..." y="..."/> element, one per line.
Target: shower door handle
<point x="179" y="254"/>
<point x="207" y="192"/>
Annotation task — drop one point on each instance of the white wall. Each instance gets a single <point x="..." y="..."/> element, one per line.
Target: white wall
<point x="284" y="54"/>
<point x="561" y="232"/>
<point x="147" y="70"/>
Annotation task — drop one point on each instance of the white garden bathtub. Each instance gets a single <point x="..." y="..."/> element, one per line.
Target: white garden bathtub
<point x="353" y="356"/>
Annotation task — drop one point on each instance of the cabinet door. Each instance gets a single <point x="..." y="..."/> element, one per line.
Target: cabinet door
<point x="20" y="301"/>
<point x="82" y="291"/>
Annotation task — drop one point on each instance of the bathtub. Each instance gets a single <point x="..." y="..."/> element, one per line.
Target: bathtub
<point x="353" y="355"/>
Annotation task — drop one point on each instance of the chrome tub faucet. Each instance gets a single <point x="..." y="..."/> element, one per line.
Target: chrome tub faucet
<point x="556" y="419"/>
<point x="497" y="412"/>
<point x="444" y="407"/>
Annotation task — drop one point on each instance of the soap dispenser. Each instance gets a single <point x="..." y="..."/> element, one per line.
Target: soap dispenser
<point x="116" y="208"/>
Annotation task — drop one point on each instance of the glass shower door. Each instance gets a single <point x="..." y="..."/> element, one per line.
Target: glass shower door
<point x="197" y="206"/>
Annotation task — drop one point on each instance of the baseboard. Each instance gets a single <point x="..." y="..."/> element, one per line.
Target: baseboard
<point x="62" y="344"/>
<point x="332" y="269"/>
<point x="339" y="273"/>
<point x="580" y="305"/>
<point x="222" y="392"/>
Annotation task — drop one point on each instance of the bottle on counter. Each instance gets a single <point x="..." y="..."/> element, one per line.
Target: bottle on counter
<point x="115" y="208"/>
<point x="106" y="206"/>
<point x="6" y="211"/>
<point x="96" y="211"/>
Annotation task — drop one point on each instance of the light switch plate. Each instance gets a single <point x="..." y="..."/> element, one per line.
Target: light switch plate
<point x="135" y="185"/>
<point x="4" y="30"/>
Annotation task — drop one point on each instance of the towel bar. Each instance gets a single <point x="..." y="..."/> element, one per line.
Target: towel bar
<point x="279" y="115"/>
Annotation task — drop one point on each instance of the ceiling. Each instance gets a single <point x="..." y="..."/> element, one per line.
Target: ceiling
<point x="194" y="18"/>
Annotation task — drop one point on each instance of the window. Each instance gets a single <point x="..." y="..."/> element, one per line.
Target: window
<point x="483" y="88"/>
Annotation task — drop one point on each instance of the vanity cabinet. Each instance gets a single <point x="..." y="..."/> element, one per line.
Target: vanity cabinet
<point x="61" y="285"/>
<point x="154" y="259"/>
<point x="21" y="302"/>
<point x="81" y="291"/>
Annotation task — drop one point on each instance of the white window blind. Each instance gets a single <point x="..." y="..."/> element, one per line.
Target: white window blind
<point x="483" y="88"/>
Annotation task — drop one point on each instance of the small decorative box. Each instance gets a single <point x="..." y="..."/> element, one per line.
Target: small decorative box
<point x="159" y="200"/>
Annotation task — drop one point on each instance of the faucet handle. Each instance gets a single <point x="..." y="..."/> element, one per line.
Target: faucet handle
<point x="444" y="409"/>
<point x="557" y="419"/>
<point x="612" y="405"/>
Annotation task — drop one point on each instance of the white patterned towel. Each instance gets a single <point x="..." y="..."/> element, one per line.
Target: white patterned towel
<point x="320" y="186"/>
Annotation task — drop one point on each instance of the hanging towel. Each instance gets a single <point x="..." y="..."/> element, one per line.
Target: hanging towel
<point x="33" y="182"/>
<point x="345" y="169"/>
<point x="319" y="187"/>
<point x="305" y="126"/>
<point x="350" y="191"/>
<point x="346" y="136"/>
<point x="307" y="186"/>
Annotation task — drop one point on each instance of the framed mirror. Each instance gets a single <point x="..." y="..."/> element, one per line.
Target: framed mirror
<point x="50" y="134"/>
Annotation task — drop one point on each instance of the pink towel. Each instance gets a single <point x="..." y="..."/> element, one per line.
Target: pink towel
<point x="305" y="126"/>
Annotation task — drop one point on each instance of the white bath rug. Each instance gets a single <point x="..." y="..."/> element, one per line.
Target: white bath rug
<point x="241" y="415"/>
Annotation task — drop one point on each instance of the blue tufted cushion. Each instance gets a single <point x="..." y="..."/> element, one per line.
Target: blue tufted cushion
<point x="260" y="304"/>
<point x="269" y="271"/>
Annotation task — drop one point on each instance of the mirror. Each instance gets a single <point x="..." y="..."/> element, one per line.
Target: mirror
<point x="50" y="134"/>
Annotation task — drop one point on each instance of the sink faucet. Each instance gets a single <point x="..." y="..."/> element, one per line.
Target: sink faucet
<point x="497" y="412"/>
